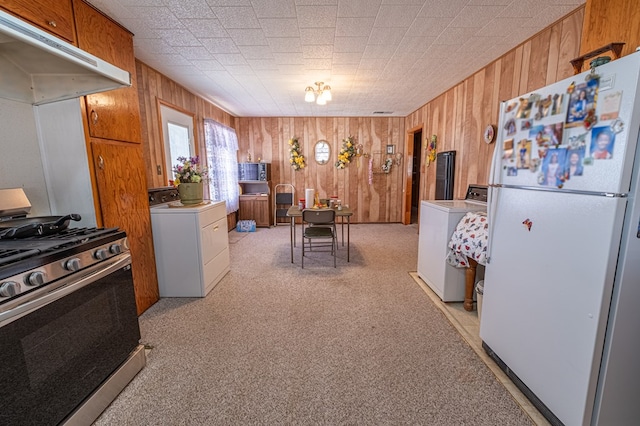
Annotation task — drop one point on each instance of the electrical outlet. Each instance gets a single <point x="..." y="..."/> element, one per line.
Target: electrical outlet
<point x="159" y="169"/>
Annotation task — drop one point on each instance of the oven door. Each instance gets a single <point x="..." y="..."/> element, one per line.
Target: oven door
<point x="57" y="349"/>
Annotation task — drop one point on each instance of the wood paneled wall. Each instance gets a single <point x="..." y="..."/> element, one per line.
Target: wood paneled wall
<point x="153" y="86"/>
<point x="459" y="116"/>
<point x="608" y="21"/>
<point x="267" y="138"/>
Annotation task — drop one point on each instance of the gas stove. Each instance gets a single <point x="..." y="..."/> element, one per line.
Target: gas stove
<point x="27" y="264"/>
<point x="68" y="321"/>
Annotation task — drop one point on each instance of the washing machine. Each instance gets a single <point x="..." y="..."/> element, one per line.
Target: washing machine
<point x="438" y="220"/>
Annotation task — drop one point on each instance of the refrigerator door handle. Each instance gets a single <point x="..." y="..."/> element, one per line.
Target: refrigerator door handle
<point x="565" y="191"/>
<point x="497" y="149"/>
<point x="495" y="177"/>
<point x="492" y="207"/>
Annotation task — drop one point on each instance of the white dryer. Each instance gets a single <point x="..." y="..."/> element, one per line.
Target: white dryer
<point x="438" y="220"/>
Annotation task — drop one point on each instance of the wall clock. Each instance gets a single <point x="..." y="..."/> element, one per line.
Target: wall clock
<point x="489" y="133"/>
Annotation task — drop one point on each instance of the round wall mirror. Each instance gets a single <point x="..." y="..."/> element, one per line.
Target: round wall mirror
<point x="322" y="152"/>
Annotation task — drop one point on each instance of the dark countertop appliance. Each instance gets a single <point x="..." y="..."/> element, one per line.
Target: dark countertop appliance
<point x="445" y="172"/>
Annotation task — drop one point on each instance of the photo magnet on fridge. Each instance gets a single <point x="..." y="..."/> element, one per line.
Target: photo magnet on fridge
<point x="582" y="99"/>
<point x="507" y="150"/>
<point x="558" y="100"/>
<point x="524" y="154"/>
<point x="543" y="107"/>
<point x="610" y="105"/>
<point x="524" y="109"/>
<point x="553" y="167"/>
<point x="574" y="166"/>
<point x="510" y="127"/>
<point x="602" y="142"/>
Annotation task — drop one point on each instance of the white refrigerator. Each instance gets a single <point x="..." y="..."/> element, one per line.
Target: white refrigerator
<point x="561" y="306"/>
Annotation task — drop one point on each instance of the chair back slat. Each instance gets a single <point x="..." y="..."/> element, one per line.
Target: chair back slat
<point x="319" y="216"/>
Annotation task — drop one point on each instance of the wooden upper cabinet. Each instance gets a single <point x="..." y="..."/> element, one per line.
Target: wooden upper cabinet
<point x="53" y="16"/>
<point x="114" y="114"/>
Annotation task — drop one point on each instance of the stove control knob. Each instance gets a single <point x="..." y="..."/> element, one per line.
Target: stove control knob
<point x="35" y="278"/>
<point x="115" y="249"/>
<point x="101" y="254"/>
<point x="72" y="264"/>
<point x="9" y="288"/>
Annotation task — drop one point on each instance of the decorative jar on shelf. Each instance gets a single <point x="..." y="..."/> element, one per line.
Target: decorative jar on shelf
<point x="190" y="193"/>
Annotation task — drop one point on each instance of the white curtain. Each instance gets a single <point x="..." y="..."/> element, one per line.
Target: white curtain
<point x="221" y="145"/>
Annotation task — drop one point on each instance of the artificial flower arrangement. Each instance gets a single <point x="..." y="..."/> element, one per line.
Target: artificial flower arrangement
<point x="386" y="167"/>
<point x="347" y="151"/>
<point x="295" y="157"/>
<point x="189" y="171"/>
<point x="432" y="150"/>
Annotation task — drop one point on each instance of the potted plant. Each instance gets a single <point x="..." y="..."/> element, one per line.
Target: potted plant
<point x="189" y="176"/>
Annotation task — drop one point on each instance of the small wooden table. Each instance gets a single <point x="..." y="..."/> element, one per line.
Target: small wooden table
<point x="294" y="211"/>
<point x="469" y="281"/>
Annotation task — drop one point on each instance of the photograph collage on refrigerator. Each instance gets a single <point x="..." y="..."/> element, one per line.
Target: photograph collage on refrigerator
<point x="558" y="135"/>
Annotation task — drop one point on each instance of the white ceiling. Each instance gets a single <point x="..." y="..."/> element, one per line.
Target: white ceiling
<point x="255" y="57"/>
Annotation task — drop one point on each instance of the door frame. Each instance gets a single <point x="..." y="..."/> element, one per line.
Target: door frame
<point x="169" y="113"/>
<point x="406" y="200"/>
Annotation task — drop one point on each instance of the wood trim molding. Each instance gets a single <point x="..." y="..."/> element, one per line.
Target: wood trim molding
<point x="408" y="164"/>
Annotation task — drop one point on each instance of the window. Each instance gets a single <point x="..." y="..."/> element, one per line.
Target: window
<point x="221" y="145"/>
<point x="177" y="133"/>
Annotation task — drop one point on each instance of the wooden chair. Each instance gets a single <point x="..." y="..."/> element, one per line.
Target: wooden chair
<point x="319" y="232"/>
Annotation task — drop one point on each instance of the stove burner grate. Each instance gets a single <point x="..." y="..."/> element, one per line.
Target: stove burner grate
<point x="13" y="255"/>
<point x="14" y="250"/>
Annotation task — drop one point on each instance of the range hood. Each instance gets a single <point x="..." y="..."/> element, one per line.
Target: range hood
<point x="38" y="68"/>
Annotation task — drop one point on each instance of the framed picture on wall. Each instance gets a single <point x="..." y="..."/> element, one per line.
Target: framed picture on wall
<point x="391" y="149"/>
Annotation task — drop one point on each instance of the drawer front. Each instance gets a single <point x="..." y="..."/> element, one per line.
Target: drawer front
<point x="214" y="239"/>
<point x="213" y="214"/>
<point x="215" y="270"/>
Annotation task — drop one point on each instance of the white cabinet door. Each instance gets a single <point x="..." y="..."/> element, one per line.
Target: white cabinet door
<point x="192" y="248"/>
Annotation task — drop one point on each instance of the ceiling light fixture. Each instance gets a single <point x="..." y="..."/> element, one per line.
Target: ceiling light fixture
<point x="321" y="94"/>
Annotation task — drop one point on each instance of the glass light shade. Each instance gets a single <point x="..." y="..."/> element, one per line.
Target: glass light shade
<point x="321" y="100"/>
<point x="326" y="93"/>
<point x="308" y="94"/>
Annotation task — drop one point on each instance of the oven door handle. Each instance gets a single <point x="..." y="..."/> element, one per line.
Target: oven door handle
<point x="65" y="286"/>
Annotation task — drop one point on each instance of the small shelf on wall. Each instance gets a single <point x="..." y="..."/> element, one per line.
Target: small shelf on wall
<point x="614" y="48"/>
<point x="378" y="158"/>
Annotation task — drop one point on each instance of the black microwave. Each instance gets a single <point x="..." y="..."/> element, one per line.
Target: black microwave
<point x="254" y="171"/>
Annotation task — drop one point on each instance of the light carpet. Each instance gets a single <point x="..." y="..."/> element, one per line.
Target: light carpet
<point x="360" y="344"/>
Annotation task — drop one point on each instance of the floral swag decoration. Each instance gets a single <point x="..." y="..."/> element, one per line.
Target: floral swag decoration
<point x="295" y="157"/>
<point x="386" y="167"/>
<point x="347" y="152"/>
<point x="432" y="150"/>
<point x="189" y="171"/>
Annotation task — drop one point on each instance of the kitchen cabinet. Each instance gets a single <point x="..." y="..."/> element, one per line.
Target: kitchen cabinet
<point x="255" y="202"/>
<point x="115" y="114"/>
<point x="52" y="16"/>
<point x="122" y="194"/>
<point x="191" y="247"/>
<point x="105" y="174"/>
<point x="111" y="122"/>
